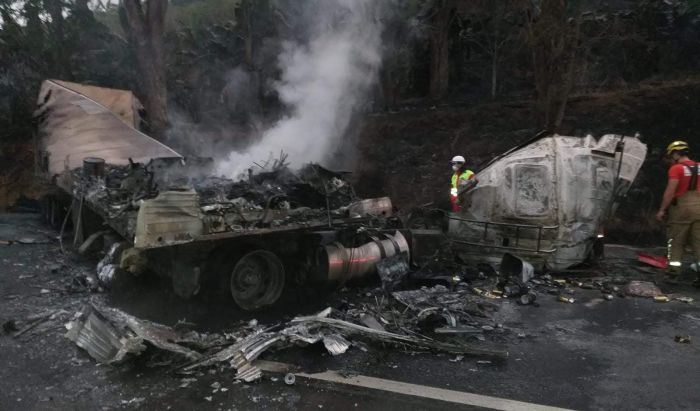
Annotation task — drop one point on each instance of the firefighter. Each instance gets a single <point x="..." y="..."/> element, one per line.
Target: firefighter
<point x="463" y="180"/>
<point x="682" y="200"/>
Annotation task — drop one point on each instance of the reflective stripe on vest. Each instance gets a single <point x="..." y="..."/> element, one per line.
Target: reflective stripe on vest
<point x="693" y="184"/>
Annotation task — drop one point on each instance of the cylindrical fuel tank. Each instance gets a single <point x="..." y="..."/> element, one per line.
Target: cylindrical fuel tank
<point x="338" y="264"/>
<point x="93" y="167"/>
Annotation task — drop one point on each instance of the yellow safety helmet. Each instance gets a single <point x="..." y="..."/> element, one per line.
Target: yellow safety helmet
<point x="677" y="146"/>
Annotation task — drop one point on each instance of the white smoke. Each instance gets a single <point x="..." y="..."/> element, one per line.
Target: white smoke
<point x="324" y="81"/>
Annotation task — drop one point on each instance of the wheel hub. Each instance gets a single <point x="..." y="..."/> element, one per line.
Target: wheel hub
<point x="257" y="280"/>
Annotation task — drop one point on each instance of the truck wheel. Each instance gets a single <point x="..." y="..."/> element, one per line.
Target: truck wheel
<point x="257" y="280"/>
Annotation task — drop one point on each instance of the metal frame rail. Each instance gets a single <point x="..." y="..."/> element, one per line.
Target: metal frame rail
<point x="517" y="227"/>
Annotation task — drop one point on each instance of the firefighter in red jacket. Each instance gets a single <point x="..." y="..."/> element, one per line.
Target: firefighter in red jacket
<point x="462" y="181"/>
<point x="682" y="200"/>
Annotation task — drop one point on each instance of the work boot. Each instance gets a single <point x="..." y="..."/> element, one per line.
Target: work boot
<point x="671" y="280"/>
<point x="671" y="276"/>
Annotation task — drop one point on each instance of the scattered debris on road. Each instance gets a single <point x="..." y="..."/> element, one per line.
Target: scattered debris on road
<point x="33" y="323"/>
<point x="642" y="289"/>
<point x="682" y="339"/>
<point x="111" y="336"/>
<point x="289" y="379"/>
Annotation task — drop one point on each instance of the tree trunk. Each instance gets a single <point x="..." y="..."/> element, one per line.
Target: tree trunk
<point x="554" y="43"/>
<point x="144" y="23"/>
<point x="494" y="73"/>
<point x="439" y="49"/>
<point x="249" y="50"/>
<point x="569" y="76"/>
<point x="248" y="40"/>
<point x="548" y="103"/>
<point x="388" y="90"/>
<point x="61" y="59"/>
<point x="565" y="92"/>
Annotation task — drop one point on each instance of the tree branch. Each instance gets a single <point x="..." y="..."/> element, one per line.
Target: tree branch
<point x="135" y="20"/>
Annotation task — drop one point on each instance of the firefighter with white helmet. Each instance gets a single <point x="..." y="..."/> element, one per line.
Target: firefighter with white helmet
<point x="462" y="181"/>
<point x="682" y="200"/>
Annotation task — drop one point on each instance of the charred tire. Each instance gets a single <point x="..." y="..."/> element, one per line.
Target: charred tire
<point x="257" y="280"/>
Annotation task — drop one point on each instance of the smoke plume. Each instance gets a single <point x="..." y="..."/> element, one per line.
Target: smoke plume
<point x="325" y="80"/>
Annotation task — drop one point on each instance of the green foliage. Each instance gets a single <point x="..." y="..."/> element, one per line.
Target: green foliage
<point x="109" y="18"/>
<point x="199" y="14"/>
<point x="690" y="7"/>
<point x="206" y="39"/>
<point x="42" y="39"/>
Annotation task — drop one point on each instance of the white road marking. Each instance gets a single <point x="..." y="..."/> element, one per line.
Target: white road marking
<point x="423" y="391"/>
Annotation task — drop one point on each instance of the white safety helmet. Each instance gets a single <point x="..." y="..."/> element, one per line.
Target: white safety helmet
<point x="457" y="162"/>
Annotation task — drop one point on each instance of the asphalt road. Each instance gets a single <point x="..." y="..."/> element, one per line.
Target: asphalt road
<point x="593" y="354"/>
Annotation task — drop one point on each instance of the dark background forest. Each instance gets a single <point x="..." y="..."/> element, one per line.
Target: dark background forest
<point x="466" y="77"/>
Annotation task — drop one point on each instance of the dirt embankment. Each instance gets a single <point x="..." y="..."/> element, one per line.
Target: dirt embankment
<point x="405" y="155"/>
<point x="17" y="180"/>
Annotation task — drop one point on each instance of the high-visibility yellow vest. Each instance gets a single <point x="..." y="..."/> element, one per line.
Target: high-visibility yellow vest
<point x="454" y="188"/>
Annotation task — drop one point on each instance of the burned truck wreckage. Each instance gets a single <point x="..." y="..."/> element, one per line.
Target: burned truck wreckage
<point x="548" y="199"/>
<point x="168" y="214"/>
<point x="157" y="211"/>
<point x="259" y="230"/>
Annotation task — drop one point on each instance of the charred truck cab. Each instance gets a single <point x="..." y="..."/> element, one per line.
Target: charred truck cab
<point x="547" y="199"/>
<point x="156" y="211"/>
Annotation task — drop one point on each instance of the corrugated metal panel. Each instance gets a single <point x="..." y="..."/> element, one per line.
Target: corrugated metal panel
<point x="123" y="103"/>
<point x="74" y="126"/>
<point x="100" y="338"/>
<point x="171" y="218"/>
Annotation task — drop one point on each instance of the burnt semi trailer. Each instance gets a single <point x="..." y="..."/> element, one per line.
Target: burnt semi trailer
<point x="154" y="210"/>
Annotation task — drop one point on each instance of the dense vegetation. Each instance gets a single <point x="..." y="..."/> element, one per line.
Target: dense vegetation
<point x="211" y="61"/>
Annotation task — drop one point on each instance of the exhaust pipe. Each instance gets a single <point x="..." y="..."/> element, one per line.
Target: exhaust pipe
<point x="338" y="264"/>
